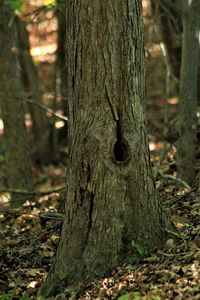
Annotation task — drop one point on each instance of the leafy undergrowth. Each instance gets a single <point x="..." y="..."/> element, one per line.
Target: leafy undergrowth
<point x="29" y="236"/>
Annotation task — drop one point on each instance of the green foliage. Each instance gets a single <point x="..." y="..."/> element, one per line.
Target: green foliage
<point x="137" y="296"/>
<point x="9" y="296"/>
<point x="131" y="296"/>
<point x="2" y="157"/>
<point x="142" y="251"/>
<point x="123" y="297"/>
<point x="24" y="297"/>
<point x="15" y="4"/>
<point x="50" y="2"/>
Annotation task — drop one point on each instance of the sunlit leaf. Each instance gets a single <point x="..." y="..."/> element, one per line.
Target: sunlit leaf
<point x="49" y="2"/>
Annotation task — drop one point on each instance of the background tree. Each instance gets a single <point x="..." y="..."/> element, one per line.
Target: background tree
<point x="18" y="163"/>
<point x="187" y="115"/>
<point x="167" y="16"/>
<point x="179" y="23"/>
<point x="40" y="123"/>
<point x="111" y="198"/>
<point x="61" y="64"/>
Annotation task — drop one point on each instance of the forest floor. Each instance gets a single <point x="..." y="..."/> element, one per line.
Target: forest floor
<point x="29" y="234"/>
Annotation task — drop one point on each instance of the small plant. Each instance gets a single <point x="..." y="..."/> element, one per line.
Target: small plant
<point x="124" y="297"/>
<point x="137" y="296"/>
<point x="15" y="4"/>
<point x="2" y="157"/>
<point x="50" y="3"/>
<point x="9" y="296"/>
<point x="130" y="296"/>
<point x="142" y="251"/>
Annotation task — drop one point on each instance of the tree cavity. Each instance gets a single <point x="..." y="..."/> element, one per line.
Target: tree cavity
<point x="121" y="151"/>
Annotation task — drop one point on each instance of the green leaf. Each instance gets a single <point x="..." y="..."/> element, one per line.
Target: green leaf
<point x="15" y="4"/>
<point x="136" y="296"/>
<point x="24" y="297"/>
<point x="2" y="157"/>
<point x="8" y="296"/>
<point x="140" y="249"/>
<point x="49" y="2"/>
<point x="123" y="297"/>
<point x="130" y="296"/>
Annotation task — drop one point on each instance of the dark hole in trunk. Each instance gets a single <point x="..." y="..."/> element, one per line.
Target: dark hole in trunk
<point x="121" y="147"/>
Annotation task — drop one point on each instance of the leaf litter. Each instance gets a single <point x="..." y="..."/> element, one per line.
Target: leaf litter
<point x="29" y="237"/>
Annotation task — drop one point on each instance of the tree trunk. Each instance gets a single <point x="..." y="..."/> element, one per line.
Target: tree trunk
<point x="187" y="115"/>
<point x="61" y="66"/>
<point x="16" y="149"/>
<point x="111" y="198"/>
<point x="168" y="17"/>
<point x="184" y="64"/>
<point x="41" y="128"/>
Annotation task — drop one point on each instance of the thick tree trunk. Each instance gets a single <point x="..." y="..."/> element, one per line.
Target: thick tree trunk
<point x="16" y="149"/>
<point x="187" y="115"/>
<point x="42" y="152"/>
<point x="111" y="198"/>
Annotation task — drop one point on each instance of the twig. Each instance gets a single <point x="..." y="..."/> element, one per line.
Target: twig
<point x="47" y="109"/>
<point x="166" y="254"/>
<point x="23" y="192"/>
<point x="184" y="183"/>
<point x="24" y="98"/>
<point x="51" y="215"/>
<point x="176" y="234"/>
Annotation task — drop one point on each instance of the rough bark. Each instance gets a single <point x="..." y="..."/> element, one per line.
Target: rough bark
<point x="111" y="198"/>
<point x="41" y="128"/>
<point x="187" y="115"/>
<point x="15" y="139"/>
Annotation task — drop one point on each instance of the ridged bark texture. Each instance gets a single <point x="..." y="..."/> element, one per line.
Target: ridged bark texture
<point x="111" y="198"/>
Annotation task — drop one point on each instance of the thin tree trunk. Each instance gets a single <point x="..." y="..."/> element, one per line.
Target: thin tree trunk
<point x="183" y="59"/>
<point x="41" y="128"/>
<point x="167" y="15"/>
<point x="111" y="198"/>
<point x="18" y="163"/>
<point x="187" y="115"/>
<point x="61" y="66"/>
